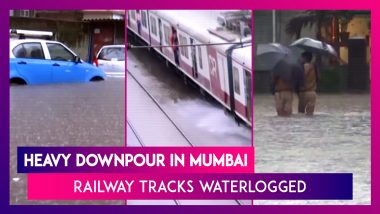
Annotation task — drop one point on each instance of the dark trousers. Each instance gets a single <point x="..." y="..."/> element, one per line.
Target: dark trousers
<point x="176" y="56"/>
<point x="139" y="27"/>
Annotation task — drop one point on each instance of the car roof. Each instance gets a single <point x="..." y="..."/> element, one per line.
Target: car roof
<point x="113" y="46"/>
<point x="32" y="40"/>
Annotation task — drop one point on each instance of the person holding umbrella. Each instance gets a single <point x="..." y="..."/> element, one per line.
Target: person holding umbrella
<point x="286" y="72"/>
<point x="284" y="87"/>
<point x="307" y="94"/>
<point x="283" y="92"/>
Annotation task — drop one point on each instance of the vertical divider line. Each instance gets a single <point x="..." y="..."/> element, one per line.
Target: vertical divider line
<point x="125" y="81"/>
<point x="252" y="87"/>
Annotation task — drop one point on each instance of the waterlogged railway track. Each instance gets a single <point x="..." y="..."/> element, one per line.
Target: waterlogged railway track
<point x="140" y="139"/>
<point x="157" y="104"/>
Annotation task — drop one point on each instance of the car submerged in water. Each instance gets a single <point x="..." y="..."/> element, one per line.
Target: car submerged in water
<point x="111" y="59"/>
<point x="37" y="61"/>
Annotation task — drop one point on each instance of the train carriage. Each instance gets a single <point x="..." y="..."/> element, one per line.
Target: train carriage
<point x="224" y="71"/>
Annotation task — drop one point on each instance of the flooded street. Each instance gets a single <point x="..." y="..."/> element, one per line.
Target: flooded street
<point x="89" y="114"/>
<point x="336" y="139"/>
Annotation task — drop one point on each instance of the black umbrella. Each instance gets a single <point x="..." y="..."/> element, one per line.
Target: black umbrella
<point x="282" y="61"/>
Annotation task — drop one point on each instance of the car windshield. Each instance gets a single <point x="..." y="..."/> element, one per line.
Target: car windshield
<point x="112" y="54"/>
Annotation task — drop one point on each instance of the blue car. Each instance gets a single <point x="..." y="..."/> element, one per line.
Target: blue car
<point x="35" y="61"/>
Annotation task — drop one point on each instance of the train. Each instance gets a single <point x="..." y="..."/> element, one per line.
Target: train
<point x="215" y="50"/>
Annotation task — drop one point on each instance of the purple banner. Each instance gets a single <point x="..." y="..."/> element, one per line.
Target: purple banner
<point x="135" y="159"/>
<point x="115" y="186"/>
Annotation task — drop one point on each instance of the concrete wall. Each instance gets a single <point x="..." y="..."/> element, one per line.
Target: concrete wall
<point x="72" y="34"/>
<point x="357" y="27"/>
<point x="119" y="33"/>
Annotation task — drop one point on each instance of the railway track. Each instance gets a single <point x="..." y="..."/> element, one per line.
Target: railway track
<point x="161" y="109"/>
<point x="139" y="139"/>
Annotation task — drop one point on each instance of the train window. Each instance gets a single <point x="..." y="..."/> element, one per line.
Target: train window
<point x="167" y="33"/>
<point x="133" y="14"/>
<point x="153" y="25"/>
<point x="184" y="50"/>
<point x="235" y="72"/>
<point x="143" y="18"/>
<point x="200" y="63"/>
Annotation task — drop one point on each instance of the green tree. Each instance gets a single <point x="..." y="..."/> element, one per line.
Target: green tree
<point x="322" y="19"/>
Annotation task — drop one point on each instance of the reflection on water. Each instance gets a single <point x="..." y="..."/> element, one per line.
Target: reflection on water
<point x="336" y="139"/>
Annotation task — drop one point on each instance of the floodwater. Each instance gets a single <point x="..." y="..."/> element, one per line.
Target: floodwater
<point x="336" y="139"/>
<point x="201" y="119"/>
<point x="89" y="114"/>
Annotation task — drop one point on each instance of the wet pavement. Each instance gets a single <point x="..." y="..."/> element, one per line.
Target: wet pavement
<point x="336" y="139"/>
<point x="89" y="114"/>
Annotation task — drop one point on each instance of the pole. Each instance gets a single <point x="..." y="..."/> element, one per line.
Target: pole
<point x="246" y="43"/>
<point x="273" y="26"/>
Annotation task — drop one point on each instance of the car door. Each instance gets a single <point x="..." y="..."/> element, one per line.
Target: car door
<point x="31" y="64"/>
<point x="64" y="67"/>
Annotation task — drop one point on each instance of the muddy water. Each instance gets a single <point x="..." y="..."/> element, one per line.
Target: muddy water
<point x="203" y="120"/>
<point x="336" y="139"/>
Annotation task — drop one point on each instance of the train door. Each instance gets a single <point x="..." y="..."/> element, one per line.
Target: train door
<point x="132" y="20"/>
<point x="160" y="33"/>
<point x="154" y="31"/>
<point x="203" y="73"/>
<point x="129" y="19"/>
<point x="248" y="90"/>
<point x="144" y="25"/>
<point x="217" y="68"/>
<point x="194" y="58"/>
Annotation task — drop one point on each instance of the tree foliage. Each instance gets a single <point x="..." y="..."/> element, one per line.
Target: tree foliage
<point x="318" y="18"/>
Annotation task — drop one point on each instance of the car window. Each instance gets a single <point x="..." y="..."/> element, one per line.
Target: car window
<point x="59" y="52"/>
<point x="31" y="50"/>
<point x="109" y="54"/>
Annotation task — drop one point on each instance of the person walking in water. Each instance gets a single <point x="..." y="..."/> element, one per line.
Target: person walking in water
<point x="283" y="96"/>
<point x="307" y="94"/>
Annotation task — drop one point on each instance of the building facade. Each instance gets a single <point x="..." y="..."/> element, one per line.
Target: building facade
<point x="84" y="31"/>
